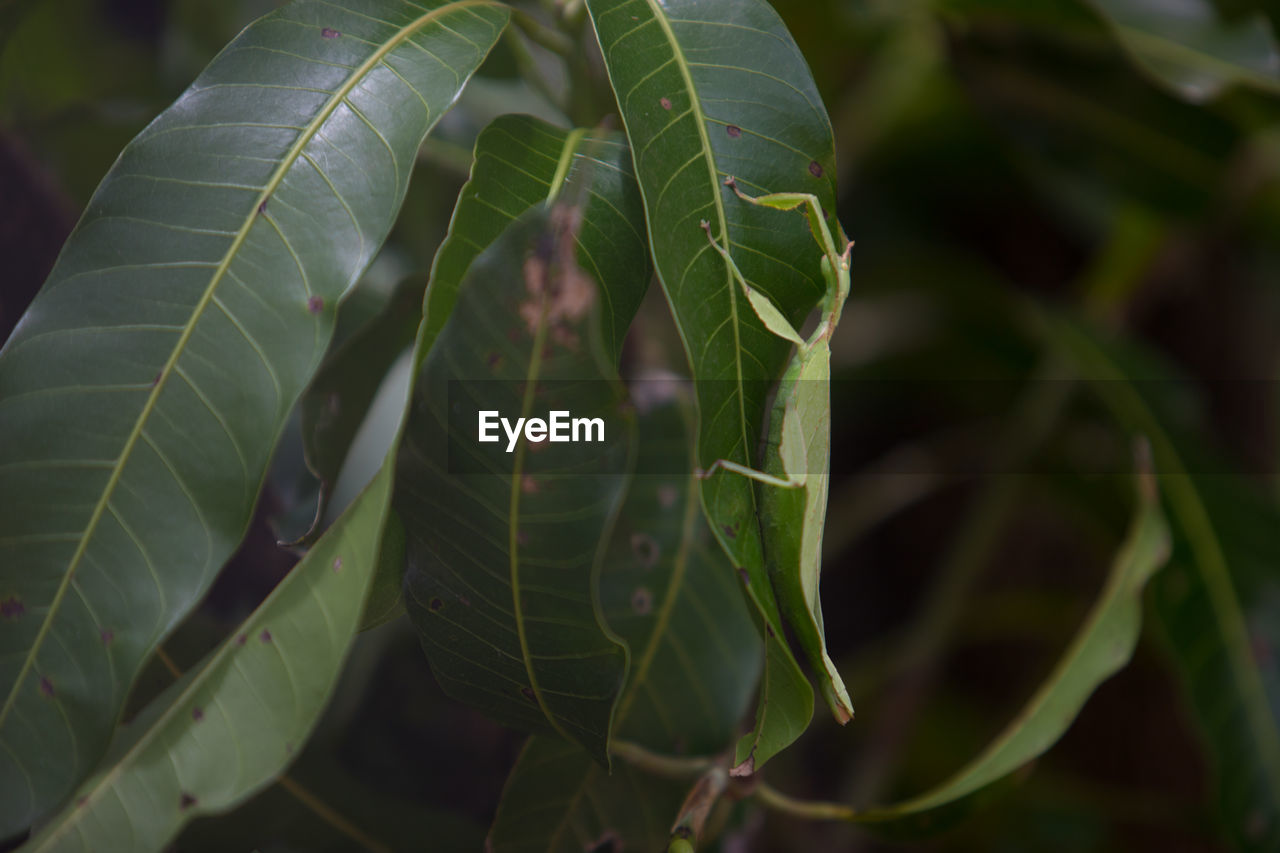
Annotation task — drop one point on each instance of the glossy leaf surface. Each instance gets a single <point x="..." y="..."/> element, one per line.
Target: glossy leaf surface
<point x="707" y="91"/>
<point x="229" y="727"/>
<point x="142" y="394"/>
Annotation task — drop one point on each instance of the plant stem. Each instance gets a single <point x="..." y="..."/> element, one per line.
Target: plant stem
<point x="331" y="817"/>
<point x="772" y="798"/>
<point x="670" y="766"/>
<point x="532" y="74"/>
<point x="538" y="33"/>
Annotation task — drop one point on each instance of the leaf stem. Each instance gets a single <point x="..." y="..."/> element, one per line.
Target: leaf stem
<point x="772" y="798"/>
<point x="542" y="35"/>
<point x="331" y="817"/>
<point x="670" y="766"/>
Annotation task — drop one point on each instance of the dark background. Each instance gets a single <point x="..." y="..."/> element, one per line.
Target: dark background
<point x="991" y="153"/>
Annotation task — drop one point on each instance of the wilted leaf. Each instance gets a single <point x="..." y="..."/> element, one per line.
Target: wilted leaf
<point x="1102" y="646"/>
<point x="1217" y="602"/>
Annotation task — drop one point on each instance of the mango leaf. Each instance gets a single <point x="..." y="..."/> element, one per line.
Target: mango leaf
<point x="1188" y="48"/>
<point x="668" y="590"/>
<point x="143" y="392"/>
<point x="709" y="90"/>
<point x="1102" y="647"/>
<point x="228" y="728"/>
<point x="1218" y="601"/>
<point x="337" y="400"/>
<point x="503" y="540"/>
<point x="521" y="161"/>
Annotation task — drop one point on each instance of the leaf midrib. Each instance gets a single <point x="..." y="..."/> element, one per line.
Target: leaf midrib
<point x="569" y="146"/>
<point x="180" y="702"/>
<point x="700" y="117"/>
<point x="286" y="164"/>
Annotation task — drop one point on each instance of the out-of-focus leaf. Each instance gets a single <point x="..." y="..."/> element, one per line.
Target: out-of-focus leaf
<point x="521" y="161"/>
<point x="1217" y="601"/>
<point x="143" y="392"/>
<point x="504" y="540"/>
<point x="1187" y="47"/>
<point x="707" y="91"/>
<point x="1102" y="646"/>
<point x="338" y="399"/>
<point x="231" y="726"/>
<point x="668" y="590"/>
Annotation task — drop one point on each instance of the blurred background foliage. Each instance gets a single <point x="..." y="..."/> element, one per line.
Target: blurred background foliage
<point x="1003" y="164"/>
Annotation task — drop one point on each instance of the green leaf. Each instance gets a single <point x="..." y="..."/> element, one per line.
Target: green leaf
<point x="520" y="162"/>
<point x="1191" y="50"/>
<point x="1102" y="647"/>
<point x="1217" y="601"/>
<point x="337" y="400"/>
<point x="143" y="392"/>
<point x="707" y="91"/>
<point x="229" y="728"/>
<point x="666" y="589"/>
<point x="504" y="540"/>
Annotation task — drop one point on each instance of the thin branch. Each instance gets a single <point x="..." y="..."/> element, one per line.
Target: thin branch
<point x="670" y="766"/>
<point x="774" y="799"/>
<point x="540" y="34"/>
<point x="331" y="817"/>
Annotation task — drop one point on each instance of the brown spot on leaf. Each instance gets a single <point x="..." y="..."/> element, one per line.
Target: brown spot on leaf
<point x="733" y="130"/>
<point x="265" y="636"/>
<point x="187" y="801"/>
<point x="329" y="33"/>
<point x="493" y="360"/>
<point x="667" y="496"/>
<point x="815" y="169"/>
<point x="242" y="639"/>
<point x="646" y="549"/>
<point x="46" y="686"/>
<point x="522" y="538"/>
<point x="155" y="380"/>
<point x="463" y="600"/>
<point x="642" y="601"/>
<point x="315" y="304"/>
<point x="262" y="206"/>
<point x="107" y="636"/>
<point x="769" y="630"/>
<point x="730" y="530"/>
<point x="12" y="607"/>
<point x="337" y="564"/>
<point x="527" y="692"/>
<point x="435" y="604"/>
<point x="746" y="578"/>
<point x="666" y="103"/>
<point x="528" y="485"/>
<point x="197" y="714"/>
